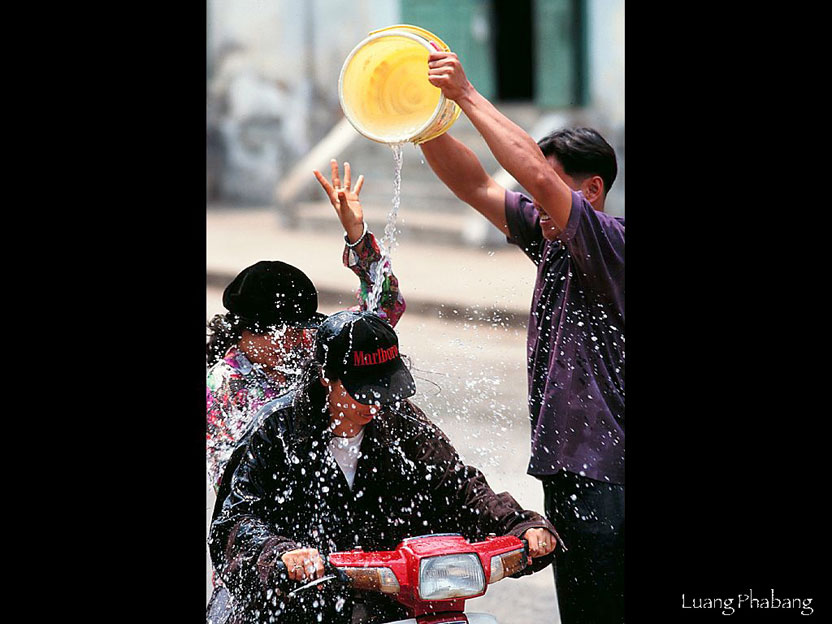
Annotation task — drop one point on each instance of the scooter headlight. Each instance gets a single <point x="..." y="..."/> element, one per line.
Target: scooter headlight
<point x="451" y="576"/>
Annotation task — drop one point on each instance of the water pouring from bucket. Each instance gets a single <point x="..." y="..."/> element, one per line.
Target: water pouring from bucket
<point x="385" y="94"/>
<point x="384" y="90"/>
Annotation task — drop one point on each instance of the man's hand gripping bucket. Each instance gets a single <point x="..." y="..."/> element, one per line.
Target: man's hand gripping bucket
<point x="384" y="89"/>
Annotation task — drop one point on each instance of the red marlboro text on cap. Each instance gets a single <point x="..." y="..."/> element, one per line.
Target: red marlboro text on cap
<point x="363" y="350"/>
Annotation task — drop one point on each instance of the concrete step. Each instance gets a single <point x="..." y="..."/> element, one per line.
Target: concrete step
<point x="421" y="189"/>
<point x="429" y="211"/>
<point x="374" y="159"/>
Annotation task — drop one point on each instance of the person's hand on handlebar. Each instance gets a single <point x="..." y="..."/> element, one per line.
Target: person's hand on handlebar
<point x="541" y="542"/>
<point x="303" y="564"/>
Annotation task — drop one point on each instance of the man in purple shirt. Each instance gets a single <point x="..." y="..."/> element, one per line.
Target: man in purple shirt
<point x="576" y="327"/>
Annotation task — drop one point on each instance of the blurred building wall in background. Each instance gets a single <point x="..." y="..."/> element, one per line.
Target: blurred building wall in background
<point x="272" y="84"/>
<point x="606" y="84"/>
<point x="273" y="69"/>
<point x="606" y="53"/>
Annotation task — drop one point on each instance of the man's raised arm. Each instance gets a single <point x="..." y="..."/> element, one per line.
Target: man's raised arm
<point x="513" y="148"/>
<point x="461" y="171"/>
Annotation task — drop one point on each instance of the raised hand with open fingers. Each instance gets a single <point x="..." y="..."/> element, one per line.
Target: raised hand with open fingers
<point x="344" y="198"/>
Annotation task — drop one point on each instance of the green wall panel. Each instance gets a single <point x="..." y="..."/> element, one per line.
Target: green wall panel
<point x="459" y="23"/>
<point x="560" y="45"/>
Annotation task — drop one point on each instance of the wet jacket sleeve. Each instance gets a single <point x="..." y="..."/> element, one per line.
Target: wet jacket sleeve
<point x="465" y="499"/>
<point x="245" y="540"/>
<point x="362" y="259"/>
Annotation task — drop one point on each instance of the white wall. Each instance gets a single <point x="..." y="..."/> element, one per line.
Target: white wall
<point x="606" y="84"/>
<point x="274" y="33"/>
<point x="606" y="59"/>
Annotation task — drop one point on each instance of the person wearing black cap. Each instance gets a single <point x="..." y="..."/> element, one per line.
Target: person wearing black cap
<point x="346" y="461"/>
<point x="256" y="348"/>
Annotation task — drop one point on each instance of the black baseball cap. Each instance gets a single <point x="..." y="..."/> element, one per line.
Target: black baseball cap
<point x="271" y="293"/>
<point x="362" y="350"/>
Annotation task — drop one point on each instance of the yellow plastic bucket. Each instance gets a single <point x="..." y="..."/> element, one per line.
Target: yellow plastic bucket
<point x="384" y="90"/>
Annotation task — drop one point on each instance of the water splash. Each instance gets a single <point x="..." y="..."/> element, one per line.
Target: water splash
<point x="388" y="242"/>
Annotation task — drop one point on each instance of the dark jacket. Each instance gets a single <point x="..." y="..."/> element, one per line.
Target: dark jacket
<point x="287" y="492"/>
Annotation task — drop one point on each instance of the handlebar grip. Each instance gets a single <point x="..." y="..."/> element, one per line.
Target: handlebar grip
<point x="525" y="549"/>
<point x="281" y="577"/>
<point x="524" y="571"/>
<point x="330" y="568"/>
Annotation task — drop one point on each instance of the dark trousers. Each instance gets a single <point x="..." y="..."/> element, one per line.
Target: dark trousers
<point x="589" y="516"/>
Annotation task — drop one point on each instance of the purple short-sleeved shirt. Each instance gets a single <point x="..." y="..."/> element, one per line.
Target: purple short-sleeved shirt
<point x="575" y="340"/>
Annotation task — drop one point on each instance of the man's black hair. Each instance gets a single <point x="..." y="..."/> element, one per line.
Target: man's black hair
<point x="582" y="152"/>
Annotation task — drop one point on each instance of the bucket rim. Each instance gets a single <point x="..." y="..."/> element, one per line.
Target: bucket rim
<point x="378" y="34"/>
<point x="417" y="30"/>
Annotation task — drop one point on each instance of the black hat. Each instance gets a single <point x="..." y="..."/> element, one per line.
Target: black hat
<point x="362" y="350"/>
<point x="272" y="293"/>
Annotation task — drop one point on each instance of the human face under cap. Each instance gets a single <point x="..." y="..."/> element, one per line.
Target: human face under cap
<point x="347" y="416"/>
<point x="273" y="349"/>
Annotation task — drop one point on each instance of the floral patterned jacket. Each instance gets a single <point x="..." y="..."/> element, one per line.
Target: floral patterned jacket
<point x="236" y="388"/>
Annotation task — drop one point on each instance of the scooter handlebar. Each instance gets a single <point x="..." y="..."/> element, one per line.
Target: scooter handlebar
<point x="287" y="585"/>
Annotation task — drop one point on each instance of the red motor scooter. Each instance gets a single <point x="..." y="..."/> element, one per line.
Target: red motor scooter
<point x="431" y="575"/>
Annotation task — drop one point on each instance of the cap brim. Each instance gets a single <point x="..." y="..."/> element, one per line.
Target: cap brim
<point x="313" y="321"/>
<point x="389" y="387"/>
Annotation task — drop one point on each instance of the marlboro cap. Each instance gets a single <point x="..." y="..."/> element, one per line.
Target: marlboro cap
<point x="362" y="350"/>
